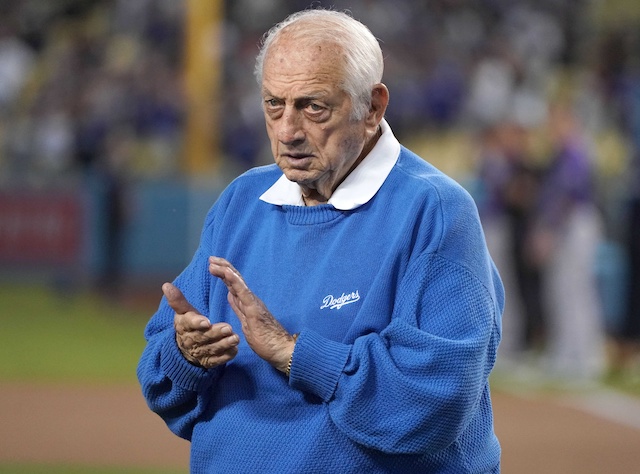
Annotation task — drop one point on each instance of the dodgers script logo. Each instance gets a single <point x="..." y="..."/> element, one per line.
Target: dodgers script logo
<point x="331" y="302"/>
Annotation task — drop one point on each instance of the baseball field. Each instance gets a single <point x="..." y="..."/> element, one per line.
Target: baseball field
<point x="69" y="401"/>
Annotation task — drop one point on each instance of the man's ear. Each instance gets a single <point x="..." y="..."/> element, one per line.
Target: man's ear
<point x="379" y="102"/>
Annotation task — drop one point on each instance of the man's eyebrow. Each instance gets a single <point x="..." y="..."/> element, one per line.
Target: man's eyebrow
<point x="320" y="95"/>
<point x="308" y="98"/>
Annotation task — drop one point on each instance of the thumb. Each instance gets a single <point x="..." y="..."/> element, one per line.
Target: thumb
<point x="176" y="299"/>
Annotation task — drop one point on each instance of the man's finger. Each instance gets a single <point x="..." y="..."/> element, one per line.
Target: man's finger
<point x="176" y="299"/>
<point x="222" y="269"/>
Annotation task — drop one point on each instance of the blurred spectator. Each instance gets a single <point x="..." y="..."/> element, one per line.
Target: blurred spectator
<point x="109" y="172"/>
<point x="631" y="329"/>
<point x="629" y="335"/>
<point x="620" y="80"/>
<point x="76" y="69"/>
<point x="565" y="240"/>
<point x="509" y="187"/>
<point x="16" y="61"/>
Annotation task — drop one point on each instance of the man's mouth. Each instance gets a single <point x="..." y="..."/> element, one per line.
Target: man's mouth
<point x="297" y="156"/>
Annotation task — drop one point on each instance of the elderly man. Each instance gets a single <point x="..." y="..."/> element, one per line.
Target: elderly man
<point x="358" y="325"/>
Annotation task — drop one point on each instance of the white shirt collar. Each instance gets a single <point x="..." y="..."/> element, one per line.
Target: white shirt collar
<point x="357" y="188"/>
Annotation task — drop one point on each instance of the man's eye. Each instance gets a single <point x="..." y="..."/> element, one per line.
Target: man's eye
<point x="315" y="107"/>
<point x="271" y="102"/>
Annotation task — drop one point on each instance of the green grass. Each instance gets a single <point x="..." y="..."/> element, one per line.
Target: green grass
<point x="50" y="337"/>
<point x="530" y="378"/>
<point x="80" y="338"/>
<point x="624" y="382"/>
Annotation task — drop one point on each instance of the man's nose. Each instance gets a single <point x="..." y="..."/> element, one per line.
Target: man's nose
<point x="290" y="127"/>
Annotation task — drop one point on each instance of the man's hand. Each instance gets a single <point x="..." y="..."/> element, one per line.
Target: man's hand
<point x="201" y="343"/>
<point x="264" y="334"/>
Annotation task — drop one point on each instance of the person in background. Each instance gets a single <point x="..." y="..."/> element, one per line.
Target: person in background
<point x="568" y="230"/>
<point x="341" y="313"/>
<point x="509" y="182"/>
<point x="628" y="337"/>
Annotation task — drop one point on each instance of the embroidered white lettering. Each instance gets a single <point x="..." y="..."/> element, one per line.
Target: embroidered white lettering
<point x="331" y="302"/>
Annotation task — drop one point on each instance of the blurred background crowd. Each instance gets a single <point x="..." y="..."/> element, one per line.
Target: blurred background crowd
<point x="534" y="106"/>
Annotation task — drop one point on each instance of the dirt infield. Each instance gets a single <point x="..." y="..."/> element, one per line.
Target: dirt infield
<point x="567" y="434"/>
<point x="99" y="426"/>
<point x="111" y="426"/>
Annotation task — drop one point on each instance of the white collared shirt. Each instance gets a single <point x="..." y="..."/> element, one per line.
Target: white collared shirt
<point x="357" y="188"/>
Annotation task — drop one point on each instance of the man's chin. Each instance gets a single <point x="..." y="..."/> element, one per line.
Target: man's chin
<point x="301" y="177"/>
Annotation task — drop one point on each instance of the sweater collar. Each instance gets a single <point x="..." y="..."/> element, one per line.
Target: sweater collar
<point x="357" y="188"/>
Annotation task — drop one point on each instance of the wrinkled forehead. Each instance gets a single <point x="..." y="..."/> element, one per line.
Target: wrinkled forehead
<point x="296" y="55"/>
<point x="314" y="45"/>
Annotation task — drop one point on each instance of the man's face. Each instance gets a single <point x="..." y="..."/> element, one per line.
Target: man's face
<point x="308" y="116"/>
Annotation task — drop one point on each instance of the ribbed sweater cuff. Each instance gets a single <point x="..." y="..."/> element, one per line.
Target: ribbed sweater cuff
<point x="180" y="371"/>
<point x="317" y="364"/>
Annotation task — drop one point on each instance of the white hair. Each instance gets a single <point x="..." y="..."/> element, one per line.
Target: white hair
<point x="364" y="63"/>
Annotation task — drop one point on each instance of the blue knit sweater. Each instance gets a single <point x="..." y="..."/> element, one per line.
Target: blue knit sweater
<point x="398" y="307"/>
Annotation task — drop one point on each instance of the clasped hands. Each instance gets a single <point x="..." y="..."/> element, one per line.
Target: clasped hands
<point x="209" y="345"/>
